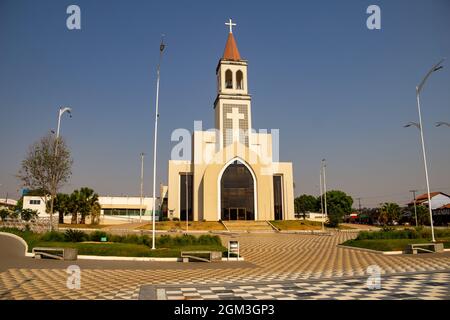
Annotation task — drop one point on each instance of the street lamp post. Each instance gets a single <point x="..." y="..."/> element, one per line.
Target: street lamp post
<point x="321" y="200"/>
<point x="61" y="111"/>
<point x="324" y="186"/>
<point x="142" y="185"/>
<point x="187" y="204"/>
<point x="161" y="49"/>
<point x="419" y="88"/>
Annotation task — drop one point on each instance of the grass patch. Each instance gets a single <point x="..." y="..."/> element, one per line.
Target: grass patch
<point x="390" y="244"/>
<point x="181" y="225"/>
<point x="125" y="249"/>
<point x="297" y="224"/>
<point x="395" y="240"/>
<point x="126" y="246"/>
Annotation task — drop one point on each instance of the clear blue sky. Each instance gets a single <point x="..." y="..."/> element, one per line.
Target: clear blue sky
<point x="334" y="88"/>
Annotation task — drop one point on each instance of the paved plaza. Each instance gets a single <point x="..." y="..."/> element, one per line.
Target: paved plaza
<point x="416" y="286"/>
<point x="283" y="265"/>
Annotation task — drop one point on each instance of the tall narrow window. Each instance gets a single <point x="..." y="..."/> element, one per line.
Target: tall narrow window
<point x="278" y="197"/>
<point x="228" y="79"/>
<point x="239" y="80"/>
<point x="186" y="196"/>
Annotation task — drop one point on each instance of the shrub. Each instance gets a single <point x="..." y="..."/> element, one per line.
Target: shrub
<point x="207" y="240"/>
<point x="4" y="213"/>
<point x="14" y="214"/>
<point x="417" y="233"/>
<point x="164" y="240"/>
<point x="98" y="235"/>
<point x="333" y="221"/>
<point x="146" y="240"/>
<point x="131" y="238"/>
<point x="116" y="238"/>
<point x="53" y="236"/>
<point x="28" y="214"/>
<point x="72" y="235"/>
<point x="184" y="240"/>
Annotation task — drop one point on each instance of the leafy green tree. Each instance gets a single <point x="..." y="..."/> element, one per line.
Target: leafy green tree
<point x="305" y="203"/>
<point x="338" y="205"/>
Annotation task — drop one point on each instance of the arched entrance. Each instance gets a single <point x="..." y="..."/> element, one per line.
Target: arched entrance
<point x="237" y="192"/>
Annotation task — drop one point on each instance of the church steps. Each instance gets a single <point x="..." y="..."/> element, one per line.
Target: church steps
<point x="248" y="226"/>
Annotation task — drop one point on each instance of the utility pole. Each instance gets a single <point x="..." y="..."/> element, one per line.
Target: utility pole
<point x="142" y="185"/>
<point x="415" y="209"/>
<point x="359" y="204"/>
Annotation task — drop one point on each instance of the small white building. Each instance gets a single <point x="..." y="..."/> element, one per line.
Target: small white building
<point x="35" y="203"/>
<point x="112" y="207"/>
<point x="7" y="203"/>
<point x="126" y="207"/>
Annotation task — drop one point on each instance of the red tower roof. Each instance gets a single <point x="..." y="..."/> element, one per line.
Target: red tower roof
<point x="231" y="51"/>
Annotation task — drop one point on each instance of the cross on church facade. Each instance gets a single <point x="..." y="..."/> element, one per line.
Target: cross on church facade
<point x="231" y="24"/>
<point x="235" y="116"/>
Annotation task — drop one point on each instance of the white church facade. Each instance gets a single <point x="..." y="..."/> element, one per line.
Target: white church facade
<point x="233" y="173"/>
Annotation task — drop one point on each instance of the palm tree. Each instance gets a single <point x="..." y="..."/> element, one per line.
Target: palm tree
<point x="389" y="212"/>
<point x="73" y="206"/>
<point x="61" y="206"/>
<point x="95" y="213"/>
<point x="88" y="199"/>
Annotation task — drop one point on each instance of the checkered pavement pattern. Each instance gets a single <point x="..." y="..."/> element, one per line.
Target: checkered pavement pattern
<point x="274" y="257"/>
<point x="428" y="286"/>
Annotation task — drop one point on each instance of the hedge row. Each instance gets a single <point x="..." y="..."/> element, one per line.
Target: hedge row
<point x="166" y="241"/>
<point x="419" y="233"/>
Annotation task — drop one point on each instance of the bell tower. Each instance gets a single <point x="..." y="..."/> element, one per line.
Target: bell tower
<point x="233" y="103"/>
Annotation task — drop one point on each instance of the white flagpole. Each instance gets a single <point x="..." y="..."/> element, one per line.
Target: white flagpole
<point x="161" y="49"/>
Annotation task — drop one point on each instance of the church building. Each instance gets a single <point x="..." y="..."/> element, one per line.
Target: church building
<point x="234" y="172"/>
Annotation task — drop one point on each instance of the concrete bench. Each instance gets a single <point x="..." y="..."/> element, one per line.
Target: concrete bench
<point x="415" y="248"/>
<point x="55" y="253"/>
<point x="204" y="256"/>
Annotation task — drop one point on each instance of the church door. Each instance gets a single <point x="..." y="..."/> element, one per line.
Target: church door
<point x="237" y="193"/>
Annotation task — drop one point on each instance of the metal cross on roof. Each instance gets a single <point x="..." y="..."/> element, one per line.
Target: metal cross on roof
<point x="231" y="24"/>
